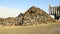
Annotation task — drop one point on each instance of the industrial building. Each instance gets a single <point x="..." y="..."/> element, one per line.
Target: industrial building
<point x="55" y="11"/>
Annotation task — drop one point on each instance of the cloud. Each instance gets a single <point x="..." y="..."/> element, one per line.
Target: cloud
<point x="8" y="12"/>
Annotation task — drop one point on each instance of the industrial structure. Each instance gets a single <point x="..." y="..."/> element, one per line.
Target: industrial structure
<point x="55" y="11"/>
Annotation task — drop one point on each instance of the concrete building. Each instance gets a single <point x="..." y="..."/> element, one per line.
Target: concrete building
<point x="55" y="11"/>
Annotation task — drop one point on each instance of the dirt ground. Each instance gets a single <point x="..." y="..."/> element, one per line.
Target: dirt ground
<point x="33" y="29"/>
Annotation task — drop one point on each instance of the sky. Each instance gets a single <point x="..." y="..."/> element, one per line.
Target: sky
<point x="12" y="8"/>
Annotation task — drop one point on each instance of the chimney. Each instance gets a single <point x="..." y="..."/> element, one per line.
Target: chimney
<point x="49" y="5"/>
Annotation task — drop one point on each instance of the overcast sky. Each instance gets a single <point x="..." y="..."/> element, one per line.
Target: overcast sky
<point x="11" y="8"/>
